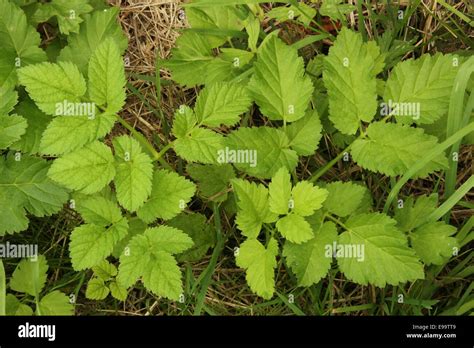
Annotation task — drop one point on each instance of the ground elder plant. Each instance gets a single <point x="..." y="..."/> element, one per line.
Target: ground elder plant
<point x="245" y="148"/>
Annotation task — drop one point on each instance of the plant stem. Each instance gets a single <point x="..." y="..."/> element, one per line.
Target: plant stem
<point x="329" y="165"/>
<point x="209" y="271"/>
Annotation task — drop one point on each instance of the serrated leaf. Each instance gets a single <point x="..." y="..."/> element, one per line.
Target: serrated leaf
<point x="90" y="244"/>
<point x="117" y="291"/>
<point x="98" y="210"/>
<point x="37" y="122"/>
<point x="307" y="198"/>
<point x="12" y="127"/>
<point x="25" y="187"/>
<point x="309" y="261"/>
<point x="193" y="62"/>
<point x="259" y="264"/>
<point x="433" y="242"/>
<point x="185" y="121"/>
<point x="270" y="148"/>
<point x="96" y="28"/>
<point x="55" y="303"/>
<point x="294" y="228"/>
<point x="201" y="233"/>
<point x="212" y="180"/>
<point x="107" y="77"/>
<point x="279" y="85"/>
<point x="68" y="13"/>
<point x="304" y="135"/>
<point x="8" y="100"/>
<point x="253" y="207"/>
<point x="350" y="82"/>
<point x="222" y="104"/>
<point x="86" y="130"/>
<point x="386" y="257"/>
<point x="413" y="213"/>
<point x="50" y="85"/>
<point x="87" y="170"/>
<point x="344" y="197"/>
<point x="280" y="192"/>
<point x="96" y="289"/>
<point x="200" y="145"/>
<point x="420" y="89"/>
<point x="15" y="307"/>
<point x="147" y="258"/>
<point x="135" y="227"/>
<point x="169" y="239"/>
<point x="169" y="196"/>
<point x="104" y="270"/>
<point x="133" y="181"/>
<point x="19" y="43"/>
<point x="30" y="276"/>
<point x="392" y="149"/>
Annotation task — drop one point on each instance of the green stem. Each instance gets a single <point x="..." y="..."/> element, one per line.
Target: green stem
<point x="209" y="271"/>
<point x="329" y="165"/>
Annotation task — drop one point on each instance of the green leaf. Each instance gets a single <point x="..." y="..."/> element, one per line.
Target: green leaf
<point x="280" y="192"/>
<point x="335" y="9"/>
<point x="200" y="145"/>
<point x="344" y="197"/>
<point x="135" y="227"/>
<point x="98" y="210"/>
<point x="253" y="207"/>
<point x="169" y="196"/>
<point x="221" y="104"/>
<point x="392" y="149"/>
<point x="30" y="276"/>
<point x="87" y="170"/>
<point x="8" y="100"/>
<point x="286" y="13"/>
<point x="86" y="130"/>
<point x="350" y="82"/>
<point x="309" y="261"/>
<point x="304" y="135"/>
<point x="15" y="307"/>
<point x="55" y="303"/>
<point x="50" y="85"/>
<point x="212" y="180"/>
<point x="184" y="121"/>
<point x="193" y="62"/>
<point x="117" y="291"/>
<point x="95" y="29"/>
<point x="107" y="77"/>
<point x="423" y="83"/>
<point x="295" y="228"/>
<point x="268" y="148"/>
<point x="96" y="289"/>
<point x="37" y="122"/>
<point x="12" y="127"/>
<point x="259" y="263"/>
<point x="386" y="257"/>
<point x="307" y="198"/>
<point x="412" y="214"/>
<point x="201" y="233"/>
<point x="90" y="244"/>
<point x="133" y="181"/>
<point x="279" y="85"/>
<point x="19" y="43"/>
<point x="433" y="242"/>
<point x="104" y="270"/>
<point x="146" y="257"/>
<point x="69" y="14"/>
<point x="25" y="187"/>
